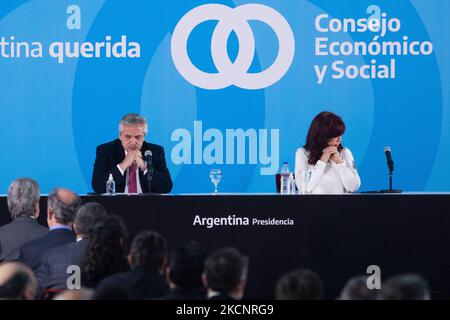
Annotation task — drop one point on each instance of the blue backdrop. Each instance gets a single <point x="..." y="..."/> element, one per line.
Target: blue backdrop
<point x="54" y="113"/>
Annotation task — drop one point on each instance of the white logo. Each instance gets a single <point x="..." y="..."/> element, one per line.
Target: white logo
<point x="374" y="280"/>
<point x="229" y="73"/>
<point x="73" y="281"/>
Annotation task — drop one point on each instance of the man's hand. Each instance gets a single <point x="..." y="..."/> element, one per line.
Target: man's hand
<point x="130" y="158"/>
<point x="140" y="162"/>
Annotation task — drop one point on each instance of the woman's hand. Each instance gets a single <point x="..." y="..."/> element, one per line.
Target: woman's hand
<point x="336" y="158"/>
<point x="327" y="153"/>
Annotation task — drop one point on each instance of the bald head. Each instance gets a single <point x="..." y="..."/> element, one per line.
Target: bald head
<point x="82" y="294"/>
<point x="17" y="282"/>
<point x="63" y="205"/>
<point x="66" y="195"/>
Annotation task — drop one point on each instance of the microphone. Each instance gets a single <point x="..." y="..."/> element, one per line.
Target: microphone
<point x="390" y="163"/>
<point x="148" y="159"/>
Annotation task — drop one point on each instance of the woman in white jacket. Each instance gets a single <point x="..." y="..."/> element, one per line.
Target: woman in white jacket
<point x="323" y="162"/>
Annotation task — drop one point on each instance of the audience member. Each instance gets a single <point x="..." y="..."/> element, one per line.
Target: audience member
<point x="147" y="258"/>
<point x="184" y="273"/>
<point x="104" y="254"/>
<point x="23" y="205"/>
<point x="405" y="287"/>
<point x="82" y="294"/>
<point x="300" y="284"/>
<point x="225" y="274"/>
<point x="52" y="274"/>
<point x="356" y="289"/>
<point x="17" y="282"/>
<point x="62" y="206"/>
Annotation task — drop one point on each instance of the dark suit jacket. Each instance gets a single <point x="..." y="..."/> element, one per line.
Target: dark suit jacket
<point x="31" y="252"/>
<point x="52" y="272"/>
<point x="16" y="233"/>
<point x="139" y="284"/>
<point x="110" y="154"/>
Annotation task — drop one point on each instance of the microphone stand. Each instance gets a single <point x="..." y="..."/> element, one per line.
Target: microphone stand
<point x="149" y="179"/>
<point x="391" y="168"/>
<point x="390" y="190"/>
<point x="390" y="180"/>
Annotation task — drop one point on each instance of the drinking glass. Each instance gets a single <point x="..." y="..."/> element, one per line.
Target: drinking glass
<point x="305" y="176"/>
<point x="215" y="176"/>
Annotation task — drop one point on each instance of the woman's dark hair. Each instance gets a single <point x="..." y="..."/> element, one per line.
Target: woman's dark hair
<point x="148" y="251"/>
<point x="325" y="126"/>
<point x="104" y="253"/>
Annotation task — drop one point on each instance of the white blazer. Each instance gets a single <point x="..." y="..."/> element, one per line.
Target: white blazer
<point x="327" y="177"/>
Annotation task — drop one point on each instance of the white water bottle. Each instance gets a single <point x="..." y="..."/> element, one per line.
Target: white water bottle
<point x="284" y="177"/>
<point x="110" y="185"/>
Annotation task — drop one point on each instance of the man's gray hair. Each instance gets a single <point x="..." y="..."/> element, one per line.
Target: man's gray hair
<point x="132" y="119"/>
<point x="64" y="211"/>
<point x="23" y="194"/>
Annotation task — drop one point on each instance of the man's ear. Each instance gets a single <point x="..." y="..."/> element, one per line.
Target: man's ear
<point x="37" y="209"/>
<point x="168" y="275"/>
<point x="204" y="280"/>
<point x="164" y="265"/>
<point x="240" y="288"/>
<point x="130" y="260"/>
<point x="27" y="294"/>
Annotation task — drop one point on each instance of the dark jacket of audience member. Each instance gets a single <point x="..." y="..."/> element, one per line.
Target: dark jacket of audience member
<point x="52" y="274"/>
<point x="23" y="205"/>
<point x="104" y="254"/>
<point x="61" y="210"/>
<point x="184" y="273"/>
<point x="300" y="284"/>
<point x="148" y="256"/>
<point x="225" y="274"/>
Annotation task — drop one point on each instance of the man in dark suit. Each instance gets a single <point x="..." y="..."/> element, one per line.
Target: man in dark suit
<point x="123" y="158"/>
<point x="225" y="274"/>
<point x="23" y="205"/>
<point x="52" y="274"/>
<point x="62" y="206"/>
<point x="147" y="258"/>
<point x="300" y="284"/>
<point x="184" y="273"/>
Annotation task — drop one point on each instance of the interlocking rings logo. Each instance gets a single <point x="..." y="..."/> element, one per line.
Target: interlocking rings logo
<point x="233" y="73"/>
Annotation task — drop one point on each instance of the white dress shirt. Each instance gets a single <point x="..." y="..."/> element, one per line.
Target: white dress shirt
<point x="328" y="177"/>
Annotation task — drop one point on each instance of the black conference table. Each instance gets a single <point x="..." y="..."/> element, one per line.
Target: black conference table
<point x="338" y="236"/>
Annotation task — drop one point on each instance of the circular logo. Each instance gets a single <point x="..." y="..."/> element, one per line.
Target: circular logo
<point x="233" y="73"/>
